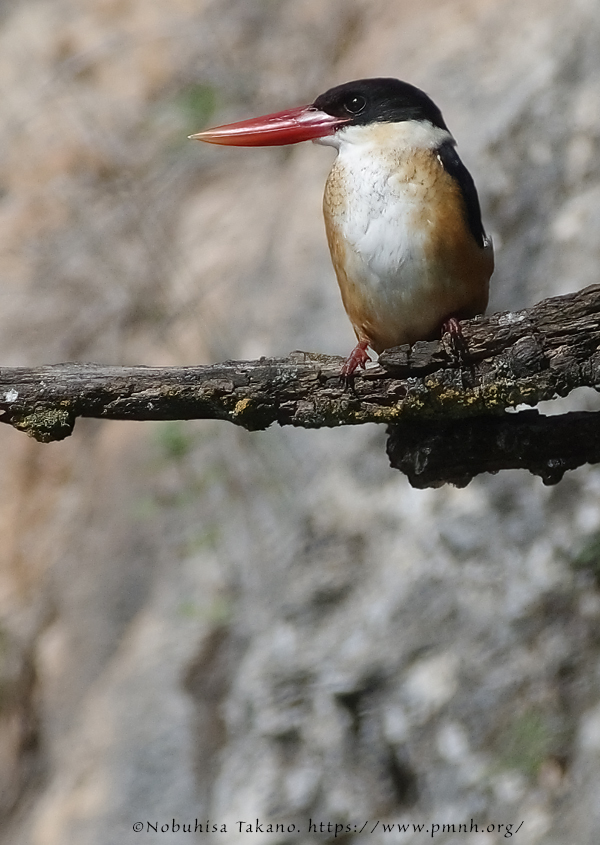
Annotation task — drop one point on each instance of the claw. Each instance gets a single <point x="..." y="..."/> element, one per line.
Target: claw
<point x="453" y="327"/>
<point x="357" y="358"/>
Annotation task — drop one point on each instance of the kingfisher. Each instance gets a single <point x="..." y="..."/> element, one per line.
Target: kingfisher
<point x="402" y="215"/>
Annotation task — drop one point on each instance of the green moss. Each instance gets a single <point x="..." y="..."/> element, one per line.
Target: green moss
<point x="526" y="743"/>
<point x="218" y="612"/>
<point x="207" y="538"/>
<point x="435" y="400"/>
<point x="174" y="440"/>
<point x="197" y="104"/>
<point x="253" y="414"/>
<point x="47" y="424"/>
<point x="587" y="557"/>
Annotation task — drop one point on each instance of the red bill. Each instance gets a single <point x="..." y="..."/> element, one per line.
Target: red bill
<point x="291" y="126"/>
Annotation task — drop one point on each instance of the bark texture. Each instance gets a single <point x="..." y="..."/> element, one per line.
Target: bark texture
<point x="504" y="360"/>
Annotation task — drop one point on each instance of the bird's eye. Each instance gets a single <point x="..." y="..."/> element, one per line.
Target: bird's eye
<point x="355" y="105"/>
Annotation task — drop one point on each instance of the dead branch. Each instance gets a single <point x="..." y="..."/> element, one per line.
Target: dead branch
<point x="446" y="411"/>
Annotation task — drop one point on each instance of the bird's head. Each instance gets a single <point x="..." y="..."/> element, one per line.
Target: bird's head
<point x="359" y="103"/>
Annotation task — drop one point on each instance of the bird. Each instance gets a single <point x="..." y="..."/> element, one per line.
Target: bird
<point x="402" y="214"/>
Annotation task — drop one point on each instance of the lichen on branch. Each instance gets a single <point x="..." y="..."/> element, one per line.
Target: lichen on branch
<point x="511" y="359"/>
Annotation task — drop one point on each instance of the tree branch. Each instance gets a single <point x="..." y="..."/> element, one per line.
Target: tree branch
<point x="424" y="392"/>
<point x="435" y="453"/>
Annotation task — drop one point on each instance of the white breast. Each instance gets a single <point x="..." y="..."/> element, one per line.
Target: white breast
<point x="380" y="209"/>
<point x="384" y="194"/>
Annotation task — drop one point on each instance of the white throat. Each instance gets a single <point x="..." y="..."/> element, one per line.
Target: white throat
<point x="383" y="137"/>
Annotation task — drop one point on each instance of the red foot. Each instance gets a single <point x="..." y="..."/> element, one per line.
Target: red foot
<point x="453" y="327"/>
<point x="357" y="358"/>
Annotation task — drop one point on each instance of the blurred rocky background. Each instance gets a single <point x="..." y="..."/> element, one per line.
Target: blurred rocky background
<point x="201" y="623"/>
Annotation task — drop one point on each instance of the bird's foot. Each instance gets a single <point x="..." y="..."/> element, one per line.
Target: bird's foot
<point x="453" y="327"/>
<point x="357" y="358"/>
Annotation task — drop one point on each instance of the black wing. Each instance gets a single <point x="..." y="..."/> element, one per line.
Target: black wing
<point x="454" y="166"/>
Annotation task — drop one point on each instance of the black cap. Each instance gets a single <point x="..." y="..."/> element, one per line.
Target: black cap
<point x="383" y="100"/>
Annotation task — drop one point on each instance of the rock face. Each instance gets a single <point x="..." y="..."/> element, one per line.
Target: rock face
<point x="204" y="624"/>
